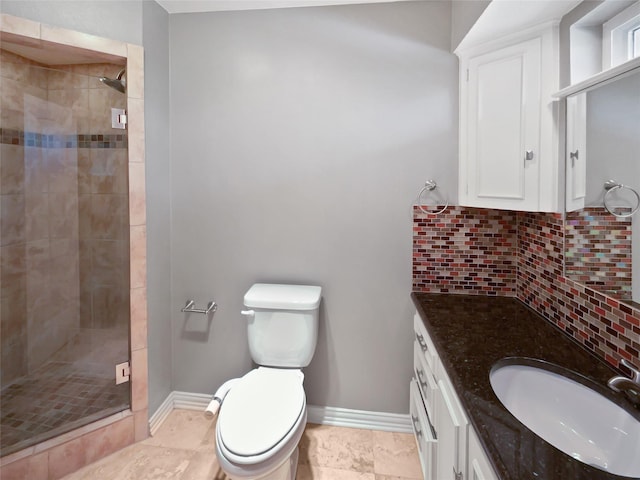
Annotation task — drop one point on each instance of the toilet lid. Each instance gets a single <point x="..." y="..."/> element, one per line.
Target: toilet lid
<point x="270" y="398"/>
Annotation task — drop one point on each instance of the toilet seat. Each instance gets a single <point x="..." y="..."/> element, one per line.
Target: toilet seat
<point x="272" y="398"/>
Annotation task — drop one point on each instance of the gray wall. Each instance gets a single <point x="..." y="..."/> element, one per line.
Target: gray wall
<point x="118" y="20"/>
<point x="158" y="185"/>
<point x="566" y="48"/>
<point x="299" y="139"/>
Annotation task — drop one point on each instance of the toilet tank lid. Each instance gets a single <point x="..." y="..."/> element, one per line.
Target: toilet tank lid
<point x="283" y="297"/>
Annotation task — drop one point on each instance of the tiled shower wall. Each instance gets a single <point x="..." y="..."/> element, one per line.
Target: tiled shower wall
<point x="65" y="229"/>
<point x="525" y="260"/>
<point x="39" y="223"/>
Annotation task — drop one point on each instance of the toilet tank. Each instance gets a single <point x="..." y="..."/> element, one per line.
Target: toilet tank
<point x="282" y="323"/>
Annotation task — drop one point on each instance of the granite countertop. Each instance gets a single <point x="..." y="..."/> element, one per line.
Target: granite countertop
<point x="471" y="333"/>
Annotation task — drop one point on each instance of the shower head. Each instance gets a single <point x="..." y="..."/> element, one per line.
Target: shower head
<point x="119" y="83"/>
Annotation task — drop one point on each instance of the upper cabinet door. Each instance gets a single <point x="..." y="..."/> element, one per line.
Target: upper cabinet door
<point x="504" y="127"/>
<point x="508" y="130"/>
<point x="576" y="142"/>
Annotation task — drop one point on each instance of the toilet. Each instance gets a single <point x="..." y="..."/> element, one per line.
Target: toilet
<point x="263" y="415"/>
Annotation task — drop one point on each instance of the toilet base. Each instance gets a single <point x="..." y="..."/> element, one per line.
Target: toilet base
<point x="285" y="471"/>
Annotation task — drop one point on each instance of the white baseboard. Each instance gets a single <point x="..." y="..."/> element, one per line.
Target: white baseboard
<point x="345" y="417"/>
<point x="339" y="417"/>
<point x="182" y="400"/>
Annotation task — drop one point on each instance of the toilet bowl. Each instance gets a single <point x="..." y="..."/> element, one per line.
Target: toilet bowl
<point x="260" y="425"/>
<point x="263" y="415"/>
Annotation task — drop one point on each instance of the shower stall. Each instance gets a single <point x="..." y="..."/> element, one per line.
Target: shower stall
<point x="64" y="244"/>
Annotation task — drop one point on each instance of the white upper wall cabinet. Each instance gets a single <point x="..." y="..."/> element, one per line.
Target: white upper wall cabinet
<point x="508" y="122"/>
<point x="503" y="117"/>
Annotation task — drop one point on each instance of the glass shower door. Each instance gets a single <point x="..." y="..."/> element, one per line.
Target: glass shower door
<point x="64" y="243"/>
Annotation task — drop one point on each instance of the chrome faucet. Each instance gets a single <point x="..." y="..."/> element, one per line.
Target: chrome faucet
<point x="629" y="386"/>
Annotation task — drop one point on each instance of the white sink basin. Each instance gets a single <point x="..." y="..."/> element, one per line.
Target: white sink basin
<point x="570" y="416"/>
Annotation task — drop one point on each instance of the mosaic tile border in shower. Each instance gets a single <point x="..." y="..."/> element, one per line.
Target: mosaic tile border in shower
<point x="34" y="139"/>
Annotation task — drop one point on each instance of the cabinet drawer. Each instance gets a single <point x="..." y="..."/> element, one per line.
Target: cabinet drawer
<point x="424" y="342"/>
<point x="423" y="432"/>
<point x="425" y="380"/>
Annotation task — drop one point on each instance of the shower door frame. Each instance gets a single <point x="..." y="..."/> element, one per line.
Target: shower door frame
<point x="71" y="451"/>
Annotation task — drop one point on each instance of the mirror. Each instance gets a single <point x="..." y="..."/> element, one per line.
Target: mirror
<point x="602" y="218"/>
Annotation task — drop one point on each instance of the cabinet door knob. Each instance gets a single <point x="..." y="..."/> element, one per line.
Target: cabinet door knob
<point x="528" y="155"/>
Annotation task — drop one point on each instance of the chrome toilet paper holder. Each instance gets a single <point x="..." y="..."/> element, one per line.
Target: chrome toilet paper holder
<point x="190" y="307"/>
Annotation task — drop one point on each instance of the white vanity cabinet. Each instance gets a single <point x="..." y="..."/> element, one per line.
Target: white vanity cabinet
<point x="423" y="392"/>
<point x="478" y="467"/>
<point x="508" y="135"/>
<point x="447" y="444"/>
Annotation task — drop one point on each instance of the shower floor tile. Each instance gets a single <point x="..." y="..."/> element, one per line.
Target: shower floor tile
<point x="58" y="397"/>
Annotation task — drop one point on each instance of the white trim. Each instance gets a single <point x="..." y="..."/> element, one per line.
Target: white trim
<point x="191" y="6"/>
<point x="339" y="417"/>
<point x="191" y="401"/>
<point x="345" y="417"/>
<point x="600" y="78"/>
<point x="182" y="400"/>
<point x="615" y="36"/>
<point x="161" y="414"/>
<point x="531" y="32"/>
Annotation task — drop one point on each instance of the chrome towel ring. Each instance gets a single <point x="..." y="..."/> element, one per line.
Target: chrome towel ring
<point x="429" y="186"/>
<point x="612" y="186"/>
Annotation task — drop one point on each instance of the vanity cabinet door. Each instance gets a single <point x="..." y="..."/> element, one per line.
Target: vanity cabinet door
<point x="451" y="431"/>
<point x="479" y="466"/>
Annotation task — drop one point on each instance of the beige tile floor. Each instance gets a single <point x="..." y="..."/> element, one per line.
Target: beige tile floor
<point x="183" y="449"/>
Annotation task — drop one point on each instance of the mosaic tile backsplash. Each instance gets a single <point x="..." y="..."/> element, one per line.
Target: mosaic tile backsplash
<point x="605" y="326"/>
<point x="494" y="252"/>
<point x="465" y="250"/>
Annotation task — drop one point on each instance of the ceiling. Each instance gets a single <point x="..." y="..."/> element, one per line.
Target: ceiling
<point x="190" y="6"/>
